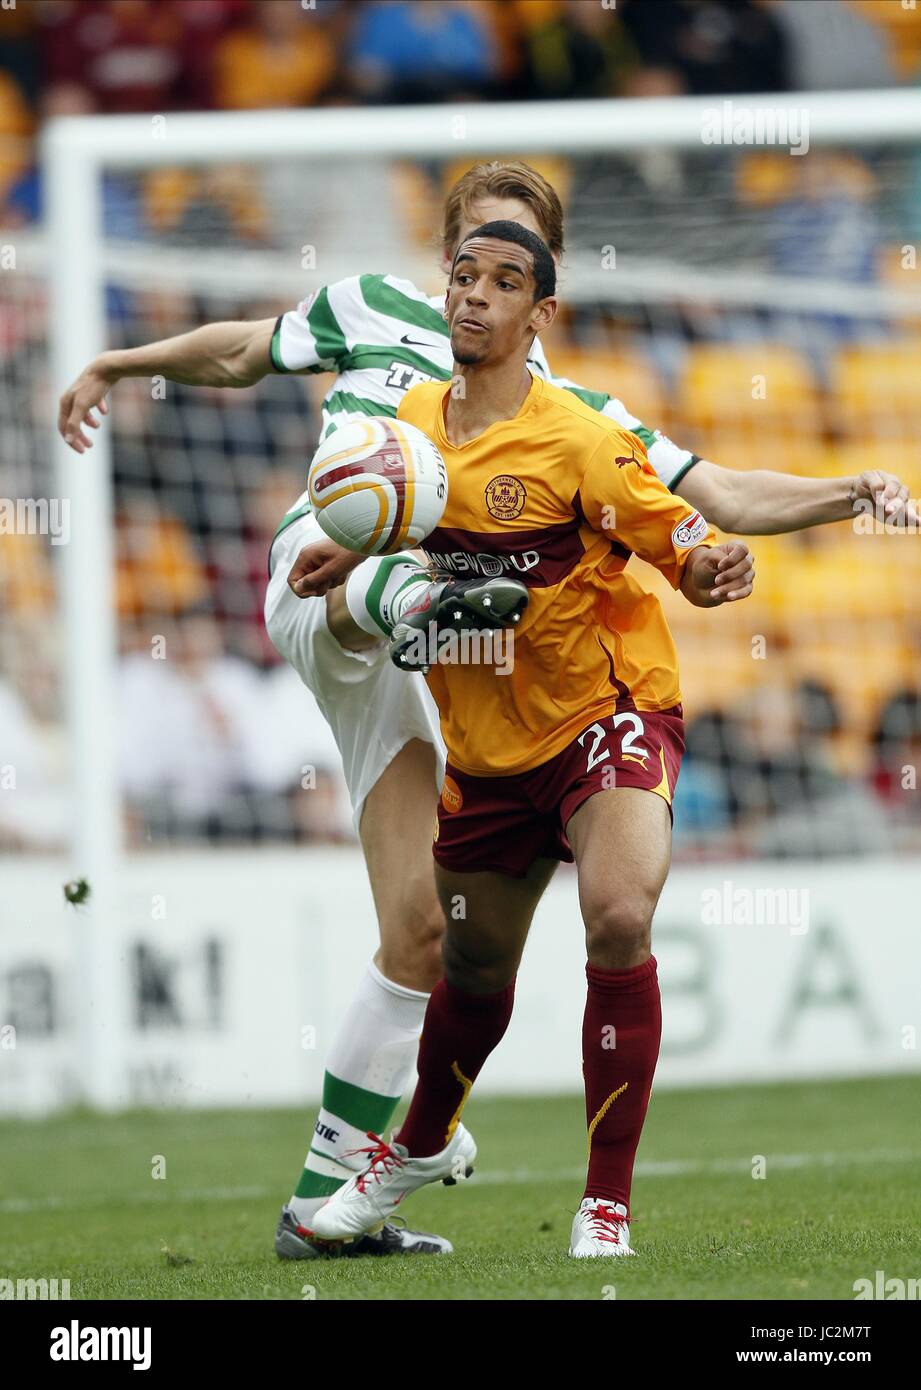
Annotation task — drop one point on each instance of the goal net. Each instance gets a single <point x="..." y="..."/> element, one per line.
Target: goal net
<point x="757" y="302"/>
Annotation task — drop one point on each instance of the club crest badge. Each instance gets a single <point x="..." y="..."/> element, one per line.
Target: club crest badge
<point x="505" y="497"/>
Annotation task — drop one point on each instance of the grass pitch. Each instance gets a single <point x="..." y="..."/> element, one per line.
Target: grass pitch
<point x="840" y="1200"/>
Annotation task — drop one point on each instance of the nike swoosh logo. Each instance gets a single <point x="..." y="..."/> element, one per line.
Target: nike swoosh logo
<point x="413" y="342"/>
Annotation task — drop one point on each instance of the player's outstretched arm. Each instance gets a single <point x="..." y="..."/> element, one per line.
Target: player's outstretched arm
<point x="716" y="574"/>
<point x="764" y="503"/>
<point x="219" y="354"/>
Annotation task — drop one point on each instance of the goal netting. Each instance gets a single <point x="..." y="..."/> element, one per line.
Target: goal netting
<point x="760" y="304"/>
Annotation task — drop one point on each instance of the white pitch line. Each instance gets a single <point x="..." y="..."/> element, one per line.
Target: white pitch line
<point x="509" y="1177"/>
<point x="688" y="1167"/>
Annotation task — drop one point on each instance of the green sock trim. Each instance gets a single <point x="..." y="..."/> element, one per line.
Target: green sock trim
<point x="379" y="583"/>
<point x="317" y="1184"/>
<point x="363" y="1109"/>
<point x="375" y="590"/>
<point x="411" y="583"/>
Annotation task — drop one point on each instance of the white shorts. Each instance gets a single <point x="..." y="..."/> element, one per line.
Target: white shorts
<point x="372" y="708"/>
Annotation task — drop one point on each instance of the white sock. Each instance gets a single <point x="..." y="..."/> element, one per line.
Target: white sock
<point x="369" y="1066"/>
<point x="380" y="590"/>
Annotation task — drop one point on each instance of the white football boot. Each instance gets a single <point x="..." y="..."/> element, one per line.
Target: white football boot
<point x="373" y="1195"/>
<point x="600" y="1228"/>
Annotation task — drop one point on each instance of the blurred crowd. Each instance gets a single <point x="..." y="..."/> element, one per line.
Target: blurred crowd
<point x="158" y="56"/>
<point x="810" y="752"/>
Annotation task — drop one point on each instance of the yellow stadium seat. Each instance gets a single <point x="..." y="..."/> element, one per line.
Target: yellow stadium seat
<point x="416" y="202"/>
<point x="854" y="579"/>
<point x="750" y="388"/>
<point x="532" y="13"/>
<point x="901" y="25"/>
<point x="788" y="452"/>
<point x="26" y="576"/>
<point x="899" y="267"/>
<point x="629" y="376"/>
<point x="875" y="389"/>
<point x="16" y="124"/>
<point x="764" y="178"/>
<point x="715" y="679"/>
<point x="897" y="455"/>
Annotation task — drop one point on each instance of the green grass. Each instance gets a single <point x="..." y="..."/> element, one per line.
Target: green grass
<point x="840" y="1200"/>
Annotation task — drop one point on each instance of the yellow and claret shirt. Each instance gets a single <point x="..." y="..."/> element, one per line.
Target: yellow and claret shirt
<point x="558" y="497"/>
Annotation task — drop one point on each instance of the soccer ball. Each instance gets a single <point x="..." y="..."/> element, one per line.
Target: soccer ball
<point x="377" y="485"/>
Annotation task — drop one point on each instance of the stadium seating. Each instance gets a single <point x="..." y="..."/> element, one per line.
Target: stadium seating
<point x="749" y="387"/>
<point x="875" y="389"/>
<point x="626" y="373"/>
<point x="899" y="23"/>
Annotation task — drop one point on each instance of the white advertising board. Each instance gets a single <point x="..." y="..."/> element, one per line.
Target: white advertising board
<point x="233" y="968"/>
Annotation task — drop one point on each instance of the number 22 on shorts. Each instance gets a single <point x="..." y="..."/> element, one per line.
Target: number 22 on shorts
<point x="628" y="745"/>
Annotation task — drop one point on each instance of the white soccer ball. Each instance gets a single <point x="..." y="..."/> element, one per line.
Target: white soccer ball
<point x="377" y="485"/>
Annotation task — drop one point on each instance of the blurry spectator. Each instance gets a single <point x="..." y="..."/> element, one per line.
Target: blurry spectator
<point x="120" y="205"/>
<point x="776" y="768"/>
<point x="827" y="228"/>
<point x="702" y="804"/>
<point x="18" y="48"/>
<point x="818" y="714"/>
<point x="832" y="46"/>
<point x="717" y="47"/>
<point x="294" y="752"/>
<point x="404" y="50"/>
<point x="26" y="584"/>
<point x="267" y="501"/>
<point x="284" y="57"/>
<point x="714" y="742"/>
<point x="186" y="711"/>
<point x="15" y="145"/>
<point x="209" y="746"/>
<point x="33" y="747"/>
<point x="580" y="51"/>
<point x="204" y="23"/>
<point x="127" y="54"/>
<point x="896" y="776"/>
<point x="218" y="206"/>
<point x="157" y="570"/>
<point x="792" y="802"/>
<point x="771" y="760"/>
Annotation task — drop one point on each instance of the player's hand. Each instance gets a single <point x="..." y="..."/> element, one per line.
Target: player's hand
<point x="321" y="566"/>
<point x="720" y="574"/>
<point x="75" y="413"/>
<point x="888" y="495"/>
